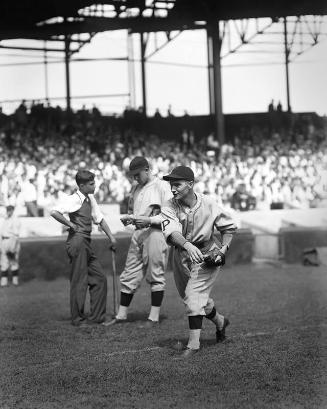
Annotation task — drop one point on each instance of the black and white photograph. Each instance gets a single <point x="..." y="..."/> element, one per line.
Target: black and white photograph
<point x="163" y="204"/>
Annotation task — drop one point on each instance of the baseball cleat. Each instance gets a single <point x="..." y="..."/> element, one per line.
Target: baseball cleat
<point x="187" y="353"/>
<point x="220" y="333"/>
<point x="150" y="324"/>
<point x="113" y="322"/>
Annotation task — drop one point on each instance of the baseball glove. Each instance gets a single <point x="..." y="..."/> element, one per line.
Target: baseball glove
<point x="214" y="258"/>
<point x="11" y="255"/>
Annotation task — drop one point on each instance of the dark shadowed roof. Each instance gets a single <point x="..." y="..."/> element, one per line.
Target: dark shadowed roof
<point x="30" y="18"/>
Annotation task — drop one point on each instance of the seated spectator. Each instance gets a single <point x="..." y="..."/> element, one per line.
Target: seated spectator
<point x="278" y="167"/>
<point x="242" y="200"/>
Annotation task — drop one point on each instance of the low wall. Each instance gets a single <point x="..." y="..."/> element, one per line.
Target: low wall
<point x="294" y="240"/>
<point x="46" y="258"/>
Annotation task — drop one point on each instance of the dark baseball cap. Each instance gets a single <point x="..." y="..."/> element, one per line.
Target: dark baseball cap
<point x="180" y="173"/>
<point x="137" y="164"/>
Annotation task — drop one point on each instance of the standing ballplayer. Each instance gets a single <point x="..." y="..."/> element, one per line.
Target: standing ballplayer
<point x="188" y="223"/>
<point x="147" y="254"/>
<point x="9" y="247"/>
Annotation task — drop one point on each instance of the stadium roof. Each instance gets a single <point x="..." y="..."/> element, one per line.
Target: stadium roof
<point x="50" y="19"/>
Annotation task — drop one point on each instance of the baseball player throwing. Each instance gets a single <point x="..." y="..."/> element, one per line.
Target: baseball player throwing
<point x="188" y="221"/>
<point x="148" y="251"/>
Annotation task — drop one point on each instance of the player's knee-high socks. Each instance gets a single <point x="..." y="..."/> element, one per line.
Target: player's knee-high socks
<point x="216" y="318"/>
<point x="156" y="301"/>
<point x="4" y="278"/>
<point x="195" y="324"/>
<point x="125" y="300"/>
<point x="15" y="276"/>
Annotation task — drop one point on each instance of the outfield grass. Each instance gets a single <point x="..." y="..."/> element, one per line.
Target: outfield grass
<point x="275" y="356"/>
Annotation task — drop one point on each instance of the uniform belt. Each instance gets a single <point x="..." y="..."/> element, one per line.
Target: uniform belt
<point x="156" y="227"/>
<point x="149" y="227"/>
<point x="5" y="237"/>
<point x="204" y="246"/>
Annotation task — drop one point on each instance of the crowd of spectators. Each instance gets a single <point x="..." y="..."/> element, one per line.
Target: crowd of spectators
<point x="41" y="148"/>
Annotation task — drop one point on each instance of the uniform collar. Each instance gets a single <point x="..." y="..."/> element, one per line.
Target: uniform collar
<point x="150" y="183"/>
<point x="197" y="204"/>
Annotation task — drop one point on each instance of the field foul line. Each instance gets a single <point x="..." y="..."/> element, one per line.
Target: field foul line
<point x="155" y="348"/>
<point x="278" y="331"/>
<point x="131" y="351"/>
<point x="261" y="334"/>
<point x="101" y="357"/>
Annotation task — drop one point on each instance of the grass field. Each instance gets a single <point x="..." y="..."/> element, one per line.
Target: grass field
<point x="275" y="356"/>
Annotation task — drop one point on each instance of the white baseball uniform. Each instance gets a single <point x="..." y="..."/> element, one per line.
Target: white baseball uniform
<point x="10" y="243"/>
<point x="148" y="251"/>
<point x="195" y="281"/>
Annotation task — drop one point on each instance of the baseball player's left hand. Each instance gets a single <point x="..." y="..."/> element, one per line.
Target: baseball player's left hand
<point x="11" y="255"/>
<point x="141" y="222"/>
<point x="214" y="257"/>
<point x="127" y="219"/>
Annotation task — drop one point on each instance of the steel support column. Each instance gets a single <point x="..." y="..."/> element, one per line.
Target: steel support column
<point x="143" y="48"/>
<point x="287" y="53"/>
<point x="131" y="69"/>
<point x="67" y="58"/>
<point x="46" y="80"/>
<point x="214" y="71"/>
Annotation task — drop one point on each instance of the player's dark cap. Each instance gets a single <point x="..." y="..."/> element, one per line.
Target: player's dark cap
<point x="180" y="173"/>
<point x="137" y="164"/>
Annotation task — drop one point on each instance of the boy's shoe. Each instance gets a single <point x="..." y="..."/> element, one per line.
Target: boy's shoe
<point x="15" y="280"/>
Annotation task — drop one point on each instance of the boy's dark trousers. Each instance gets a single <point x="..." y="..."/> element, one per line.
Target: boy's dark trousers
<point x="86" y="271"/>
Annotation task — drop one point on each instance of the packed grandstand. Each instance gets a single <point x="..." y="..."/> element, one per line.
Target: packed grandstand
<point x="258" y="167"/>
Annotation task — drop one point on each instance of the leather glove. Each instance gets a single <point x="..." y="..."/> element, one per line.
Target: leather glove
<point x="214" y="257"/>
<point x="11" y="255"/>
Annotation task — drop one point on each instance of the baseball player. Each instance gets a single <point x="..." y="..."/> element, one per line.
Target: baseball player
<point x="188" y="221"/>
<point x="86" y="270"/>
<point x="148" y="251"/>
<point x="9" y="247"/>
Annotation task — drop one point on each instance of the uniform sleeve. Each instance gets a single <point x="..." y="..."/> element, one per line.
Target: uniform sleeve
<point x="170" y="222"/>
<point x="225" y="223"/>
<point x="97" y="215"/>
<point x="160" y="194"/>
<point x="226" y="226"/>
<point x="165" y="192"/>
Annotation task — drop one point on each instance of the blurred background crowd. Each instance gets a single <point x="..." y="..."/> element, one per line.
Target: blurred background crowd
<point x="258" y="167"/>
